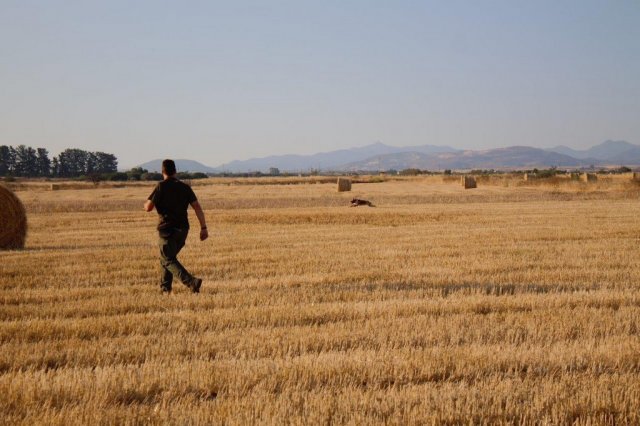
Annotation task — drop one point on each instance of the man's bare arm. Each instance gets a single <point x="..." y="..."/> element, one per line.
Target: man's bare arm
<point x="204" y="234"/>
<point x="148" y="205"/>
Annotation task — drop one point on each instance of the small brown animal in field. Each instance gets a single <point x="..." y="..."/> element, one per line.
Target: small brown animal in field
<point x="358" y="202"/>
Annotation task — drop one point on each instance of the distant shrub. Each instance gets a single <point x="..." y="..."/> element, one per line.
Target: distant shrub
<point x="151" y="176"/>
<point x="542" y="174"/>
<point x="136" y="173"/>
<point x="189" y="176"/>
<point x="118" y="177"/>
<point x="94" y="178"/>
<point x="623" y="169"/>
<point x="411" y="172"/>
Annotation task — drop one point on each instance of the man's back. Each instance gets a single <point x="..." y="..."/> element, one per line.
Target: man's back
<point x="172" y="198"/>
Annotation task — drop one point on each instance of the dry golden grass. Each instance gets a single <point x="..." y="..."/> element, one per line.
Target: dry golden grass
<point x="517" y="302"/>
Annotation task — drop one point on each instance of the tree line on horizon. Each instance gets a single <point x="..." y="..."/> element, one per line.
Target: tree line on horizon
<point x="25" y="161"/>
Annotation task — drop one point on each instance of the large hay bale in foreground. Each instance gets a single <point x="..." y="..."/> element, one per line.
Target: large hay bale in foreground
<point x="344" y="184"/>
<point x="589" y="177"/>
<point x="468" y="182"/>
<point x="13" y="220"/>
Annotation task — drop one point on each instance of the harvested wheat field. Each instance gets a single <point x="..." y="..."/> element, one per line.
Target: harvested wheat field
<point x="517" y="302"/>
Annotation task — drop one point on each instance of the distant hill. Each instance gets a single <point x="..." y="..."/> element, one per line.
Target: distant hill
<point x="324" y="160"/>
<point x="511" y="157"/>
<point x="609" y="152"/>
<point x="379" y="156"/>
<point x="181" y="165"/>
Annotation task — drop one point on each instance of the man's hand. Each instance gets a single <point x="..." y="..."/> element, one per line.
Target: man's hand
<point x="148" y="206"/>
<point x="204" y="234"/>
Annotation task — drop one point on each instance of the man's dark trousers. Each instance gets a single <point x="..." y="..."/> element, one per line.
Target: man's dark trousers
<point x="170" y="245"/>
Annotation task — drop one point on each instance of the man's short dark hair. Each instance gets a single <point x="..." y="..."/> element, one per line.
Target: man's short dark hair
<point x="168" y="167"/>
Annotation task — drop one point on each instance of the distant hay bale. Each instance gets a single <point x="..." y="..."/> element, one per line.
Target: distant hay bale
<point x="468" y="182"/>
<point x="589" y="177"/>
<point x="528" y="176"/>
<point x="344" y="184"/>
<point x="574" y="176"/>
<point x="636" y="176"/>
<point x="55" y="187"/>
<point x="13" y="220"/>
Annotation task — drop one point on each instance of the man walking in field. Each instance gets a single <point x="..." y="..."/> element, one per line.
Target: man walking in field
<point x="172" y="198"/>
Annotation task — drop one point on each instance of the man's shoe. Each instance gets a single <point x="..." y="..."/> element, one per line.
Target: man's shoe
<point x="195" y="285"/>
<point x="164" y="290"/>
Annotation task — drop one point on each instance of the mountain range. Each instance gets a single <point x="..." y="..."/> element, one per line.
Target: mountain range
<point x="511" y="157"/>
<point x="378" y="156"/>
<point x="612" y="152"/>
<point x="332" y="160"/>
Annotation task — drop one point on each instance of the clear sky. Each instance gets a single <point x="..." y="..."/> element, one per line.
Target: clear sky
<point x="216" y="81"/>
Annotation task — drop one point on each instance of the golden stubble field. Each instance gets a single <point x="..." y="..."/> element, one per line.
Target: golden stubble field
<point x="509" y="303"/>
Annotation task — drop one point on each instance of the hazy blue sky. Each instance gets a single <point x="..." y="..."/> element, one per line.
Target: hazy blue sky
<point x="216" y="81"/>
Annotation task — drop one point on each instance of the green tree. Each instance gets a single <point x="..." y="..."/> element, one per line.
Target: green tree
<point x="6" y="162"/>
<point x="25" y="161"/>
<point x="72" y="162"/>
<point x="43" y="164"/>
<point x="151" y="176"/>
<point x="106" y="163"/>
<point x="136" y="173"/>
<point x="118" y="176"/>
<point x="55" y="167"/>
<point x="411" y="172"/>
<point x="91" y="164"/>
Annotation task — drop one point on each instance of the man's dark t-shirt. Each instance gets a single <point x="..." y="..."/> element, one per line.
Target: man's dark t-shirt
<point x="172" y="198"/>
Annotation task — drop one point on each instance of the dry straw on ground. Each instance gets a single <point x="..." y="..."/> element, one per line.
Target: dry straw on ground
<point x="344" y="184"/>
<point x="505" y="305"/>
<point x="13" y="220"/>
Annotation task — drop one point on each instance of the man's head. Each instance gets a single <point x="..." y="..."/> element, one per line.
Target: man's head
<point x="168" y="167"/>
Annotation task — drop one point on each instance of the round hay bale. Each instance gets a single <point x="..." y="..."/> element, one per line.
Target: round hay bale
<point x="468" y="182"/>
<point x="344" y="184"/>
<point x="13" y="220"/>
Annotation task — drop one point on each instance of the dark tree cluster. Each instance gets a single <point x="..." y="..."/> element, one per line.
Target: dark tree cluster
<point x="138" y="173"/>
<point x="24" y="161"/>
